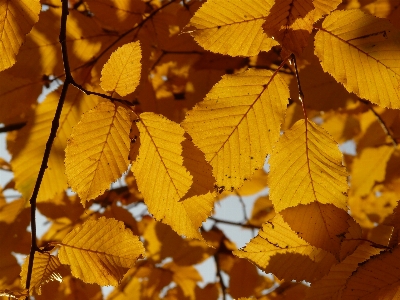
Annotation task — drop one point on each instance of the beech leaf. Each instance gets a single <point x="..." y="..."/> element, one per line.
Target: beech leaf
<point x="100" y="251"/>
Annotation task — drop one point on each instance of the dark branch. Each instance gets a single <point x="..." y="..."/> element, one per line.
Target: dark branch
<point x="219" y="275"/>
<point x="53" y="133"/>
<point x="12" y="127"/>
<point x="381" y="122"/>
<point x="301" y="95"/>
<point x="234" y="223"/>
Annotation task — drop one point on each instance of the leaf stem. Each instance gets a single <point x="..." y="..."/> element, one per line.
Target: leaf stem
<point x="301" y="95"/>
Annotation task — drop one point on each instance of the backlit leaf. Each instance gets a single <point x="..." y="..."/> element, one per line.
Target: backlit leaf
<point x="306" y="166"/>
<point x="16" y="20"/>
<point x="278" y="249"/>
<point x="100" y="251"/>
<point x="290" y="22"/>
<point x="162" y="178"/>
<point x="232" y="27"/>
<point x="331" y="285"/>
<point x="377" y="278"/>
<point x="121" y="73"/>
<point x="321" y="225"/>
<point x="97" y="151"/>
<point x="362" y="52"/>
<point x="44" y="270"/>
<point x="237" y="124"/>
<point x="369" y="168"/>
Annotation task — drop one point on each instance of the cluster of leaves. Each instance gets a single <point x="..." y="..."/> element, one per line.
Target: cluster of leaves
<point x="191" y="97"/>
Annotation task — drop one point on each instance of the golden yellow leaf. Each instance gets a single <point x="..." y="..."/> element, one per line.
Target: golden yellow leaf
<point x="377" y="278"/>
<point x="290" y="22"/>
<point x="16" y="20"/>
<point x="186" y="277"/>
<point x="97" y="151"/>
<point x="279" y="250"/>
<point x="121" y="73"/>
<point x="163" y="180"/>
<point x="321" y="225"/>
<point x="306" y="166"/>
<point x="28" y="149"/>
<point x="44" y="270"/>
<point x="237" y="124"/>
<point x="162" y="242"/>
<point x="368" y="168"/>
<point x="331" y="285"/>
<point x="14" y="294"/>
<point x="362" y="52"/>
<point x="100" y="251"/>
<point x="232" y="27"/>
<point x="262" y="211"/>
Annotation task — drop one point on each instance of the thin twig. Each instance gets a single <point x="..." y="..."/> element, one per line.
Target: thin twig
<point x="381" y="122"/>
<point x="219" y="275"/>
<point x="301" y="95"/>
<point x="234" y="223"/>
<point x="53" y="133"/>
<point x="243" y="206"/>
<point x="12" y="127"/>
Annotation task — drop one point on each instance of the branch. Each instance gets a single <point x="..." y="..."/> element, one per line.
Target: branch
<point x="219" y="275"/>
<point x="234" y="223"/>
<point x="53" y="133"/>
<point x="12" y="127"/>
<point x="301" y="95"/>
<point x="381" y="122"/>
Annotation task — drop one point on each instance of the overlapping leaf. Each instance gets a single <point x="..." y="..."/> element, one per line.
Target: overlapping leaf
<point x="44" y="270"/>
<point x="232" y="27"/>
<point x="97" y="152"/>
<point x="306" y="166"/>
<point x="237" y="124"/>
<point x="331" y="285"/>
<point x="100" y="251"/>
<point x="362" y="52"/>
<point x="378" y="278"/>
<point x="121" y="73"/>
<point x="16" y="20"/>
<point x="368" y="168"/>
<point x="290" y="22"/>
<point x="278" y="249"/>
<point x="162" y="178"/>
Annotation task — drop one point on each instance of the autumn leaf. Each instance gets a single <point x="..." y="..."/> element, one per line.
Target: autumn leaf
<point x="232" y="27"/>
<point x="45" y="267"/>
<point x="306" y="166"/>
<point x="361" y="52"/>
<point x="162" y="178"/>
<point x="278" y="249"/>
<point x="121" y="73"/>
<point x="100" y="251"/>
<point x="14" y="294"/>
<point x="97" y="151"/>
<point x="16" y="20"/>
<point x="290" y="22"/>
<point x="237" y="124"/>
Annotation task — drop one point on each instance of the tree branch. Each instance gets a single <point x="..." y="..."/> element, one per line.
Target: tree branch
<point x="219" y="275"/>
<point x="234" y="223"/>
<point x="381" y="122"/>
<point x="12" y="127"/>
<point x="53" y="133"/>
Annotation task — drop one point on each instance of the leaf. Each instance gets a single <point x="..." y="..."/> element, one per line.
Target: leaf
<point x="376" y="278"/>
<point x="100" y="251"/>
<point x="97" y="151"/>
<point x="291" y="22"/>
<point x="45" y="268"/>
<point x="16" y="20"/>
<point x="15" y="294"/>
<point x="361" y="52"/>
<point x="28" y="148"/>
<point x="279" y="250"/>
<point x="163" y="180"/>
<point x="368" y="168"/>
<point x="232" y="27"/>
<point x="237" y="124"/>
<point x="121" y="73"/>
<point x="321" y="225"/>
<point x="306" y="166"/>
<point x="331" y="285"/>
